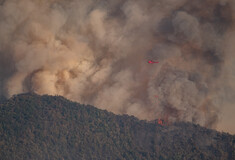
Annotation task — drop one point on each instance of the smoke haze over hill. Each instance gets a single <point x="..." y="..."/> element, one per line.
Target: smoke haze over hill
<point x="96" y="52"/>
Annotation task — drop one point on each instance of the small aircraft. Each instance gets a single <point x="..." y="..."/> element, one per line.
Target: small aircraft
<point x="151" y="62"/>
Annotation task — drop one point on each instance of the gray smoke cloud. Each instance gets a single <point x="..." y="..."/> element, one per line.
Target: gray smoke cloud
<point x="96" y="52"/>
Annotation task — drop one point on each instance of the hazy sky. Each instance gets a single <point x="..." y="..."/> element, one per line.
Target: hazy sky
<point x="96" y="52"/>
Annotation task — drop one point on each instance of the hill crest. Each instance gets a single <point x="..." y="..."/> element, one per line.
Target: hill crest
<point x="52" y="127"/>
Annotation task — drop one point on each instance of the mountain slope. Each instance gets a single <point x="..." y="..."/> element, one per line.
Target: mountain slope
<point x="51" y="127"/>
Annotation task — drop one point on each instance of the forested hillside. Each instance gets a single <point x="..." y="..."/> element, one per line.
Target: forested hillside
<point x="34" y="127"/>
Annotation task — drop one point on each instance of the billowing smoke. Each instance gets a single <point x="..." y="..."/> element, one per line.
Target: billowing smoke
<point x="96" y="52"/>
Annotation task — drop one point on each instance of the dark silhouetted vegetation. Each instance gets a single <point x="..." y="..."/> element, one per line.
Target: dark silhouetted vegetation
<point x="34" y="127"/>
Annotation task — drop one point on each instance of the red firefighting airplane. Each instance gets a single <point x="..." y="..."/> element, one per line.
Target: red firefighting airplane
<point x="151" y="62"/>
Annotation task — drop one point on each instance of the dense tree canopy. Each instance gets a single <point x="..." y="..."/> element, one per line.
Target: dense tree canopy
<point x="51" y="127"/>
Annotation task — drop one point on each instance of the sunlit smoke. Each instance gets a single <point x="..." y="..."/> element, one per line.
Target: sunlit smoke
<point x="98" y="52"/>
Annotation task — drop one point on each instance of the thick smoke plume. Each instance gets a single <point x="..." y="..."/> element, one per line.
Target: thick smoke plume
<point x="96" y="52"/>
